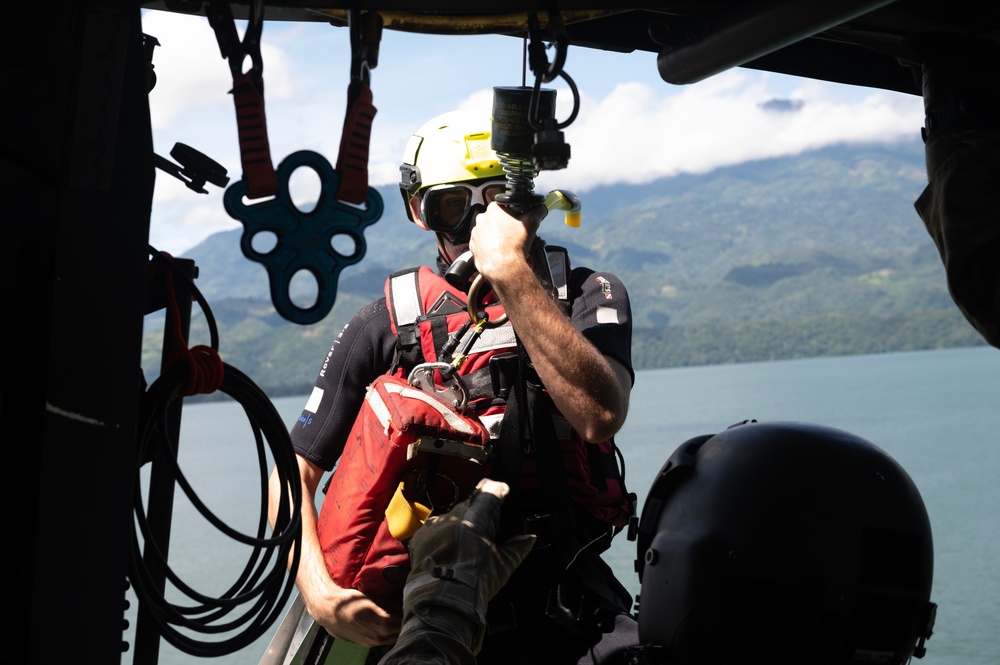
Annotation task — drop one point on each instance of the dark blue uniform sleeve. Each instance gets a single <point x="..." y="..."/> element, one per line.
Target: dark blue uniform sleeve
<point x="602" y="313"/>
<point x="362" y="351"/>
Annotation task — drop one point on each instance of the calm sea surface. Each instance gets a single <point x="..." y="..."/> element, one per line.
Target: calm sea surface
<point x="937" y="413"/>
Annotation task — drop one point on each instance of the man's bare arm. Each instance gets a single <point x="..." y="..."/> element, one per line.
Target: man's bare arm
<point x="344" y="613"/>
<point x="589" y="389"/>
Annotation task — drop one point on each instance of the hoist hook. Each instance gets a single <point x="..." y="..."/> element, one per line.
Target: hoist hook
<point x="366" y="34"/>
<point x="232" y="48"/>
<point x="546" y="72"/>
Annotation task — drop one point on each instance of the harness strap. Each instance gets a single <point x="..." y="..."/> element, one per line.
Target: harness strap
<point x="606" y="463"/>
<point x="352" y="160"/>
<point x="406" y="310"/>
<point x="439" y="334"/>
<point x="542" y="432"/>
<point x="405" y="303"/>
<point x="251" y="123"/>
<point x="405" y="307"/>
<point x="559" y="269"/>
<point x="355" y="139"/>
<point x="509" y="447"/>
<point x="248" y="95"/>
<point x="480" y="382"/>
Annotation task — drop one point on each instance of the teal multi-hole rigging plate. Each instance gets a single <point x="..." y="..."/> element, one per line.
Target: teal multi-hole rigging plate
<point x="304" y="241"/>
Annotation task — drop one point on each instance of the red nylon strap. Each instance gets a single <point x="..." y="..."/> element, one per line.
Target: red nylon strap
<point x="255" y="153"/>
<point x="352" y="161"/>
<point x="205" y="367"/>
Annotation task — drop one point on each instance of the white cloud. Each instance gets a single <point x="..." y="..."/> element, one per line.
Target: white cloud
<point x="638" y="134"/>
<point x="191" y="73"/>
<point x="180" y="225"/>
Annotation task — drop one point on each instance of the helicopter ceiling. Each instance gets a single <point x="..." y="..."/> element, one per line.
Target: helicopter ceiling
<point x="856" y="42"/>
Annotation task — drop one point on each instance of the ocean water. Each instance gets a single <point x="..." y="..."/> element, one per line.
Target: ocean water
<point x="937" y="413"/>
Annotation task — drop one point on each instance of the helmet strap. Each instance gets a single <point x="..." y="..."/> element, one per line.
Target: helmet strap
<point x="446" y="247"/>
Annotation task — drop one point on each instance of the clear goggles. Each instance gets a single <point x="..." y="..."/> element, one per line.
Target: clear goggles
<point x="449" y="208"/>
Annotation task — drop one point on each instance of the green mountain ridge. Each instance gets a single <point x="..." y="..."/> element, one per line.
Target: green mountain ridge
<point x="816" y="254"/>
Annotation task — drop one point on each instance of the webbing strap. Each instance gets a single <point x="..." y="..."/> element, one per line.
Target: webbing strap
<point x="352" y="160"/>
<point x="527" y="417"/>
<point x="558" y="260"/>
<point x="509" y="447"/>
<point x="405" y="304"/>
<point x="251" y="123"/>
<point x="248" y="94"/>
<point x="546" y="445"/>
<point x="405" y="307"/>
<point x="439" y="334"/>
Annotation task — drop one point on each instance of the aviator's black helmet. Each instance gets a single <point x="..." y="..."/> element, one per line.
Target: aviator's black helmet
<point x="783" y="543"/>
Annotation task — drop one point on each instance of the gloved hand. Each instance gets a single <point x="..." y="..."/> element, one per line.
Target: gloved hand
<point x="958" y="80"/>
<point x="457" y="568"/>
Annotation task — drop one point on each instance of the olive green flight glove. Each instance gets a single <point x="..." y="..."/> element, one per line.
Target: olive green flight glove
<point x="458" y="568"/>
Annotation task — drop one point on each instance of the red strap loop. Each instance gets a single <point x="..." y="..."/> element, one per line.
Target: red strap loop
<point x="255" y="151"/>
<point x="352" y="160"/>
<point x="205" y="367"/>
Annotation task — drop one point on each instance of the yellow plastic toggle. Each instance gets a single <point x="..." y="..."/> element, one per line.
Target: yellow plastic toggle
<point x="561" y="199"/>
<point x="404" y="517"/>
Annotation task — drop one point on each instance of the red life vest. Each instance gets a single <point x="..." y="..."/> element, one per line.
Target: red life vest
<point x="358" y="545"/>
<point x="407" y="454"/>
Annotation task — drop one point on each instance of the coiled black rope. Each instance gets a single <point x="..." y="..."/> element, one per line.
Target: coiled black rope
<point x="251" y="605"/>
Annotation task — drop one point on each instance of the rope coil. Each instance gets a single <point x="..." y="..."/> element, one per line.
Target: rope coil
<point x="251" y="605"/>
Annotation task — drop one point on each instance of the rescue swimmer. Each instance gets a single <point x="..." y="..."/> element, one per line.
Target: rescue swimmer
<point x="534" y="379"/>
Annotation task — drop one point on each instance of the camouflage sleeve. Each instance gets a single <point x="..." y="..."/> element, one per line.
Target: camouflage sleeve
<point x="961" y="209"/>
<point x="428" y="647"/>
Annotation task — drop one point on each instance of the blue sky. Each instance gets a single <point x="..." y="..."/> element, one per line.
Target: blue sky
<point x="632" y="127"/>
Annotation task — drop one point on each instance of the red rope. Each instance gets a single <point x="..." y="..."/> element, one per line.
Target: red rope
<point x="207" y="370"/>
<point x="205" y="366"/>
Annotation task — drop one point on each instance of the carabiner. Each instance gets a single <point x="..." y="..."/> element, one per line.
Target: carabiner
<point x="366" y="33"/>
<point x="251" y="39"/>
<point x="234" y="50"/>
<point x="545" y="72"/>
<point x="539" y="62"/>
<point x="455" y="395"/>
<point x="481" y="318"/>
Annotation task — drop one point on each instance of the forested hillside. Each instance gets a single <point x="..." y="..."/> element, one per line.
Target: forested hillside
<point x="817" y="254"/>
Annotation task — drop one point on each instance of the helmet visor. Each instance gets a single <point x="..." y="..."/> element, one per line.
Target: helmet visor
<point x="447" y="208"/>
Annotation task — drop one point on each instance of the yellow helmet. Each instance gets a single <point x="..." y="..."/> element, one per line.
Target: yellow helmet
<point x="452" y="147"/>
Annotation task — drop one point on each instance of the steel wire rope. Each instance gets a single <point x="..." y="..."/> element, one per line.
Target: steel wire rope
<point x="265" y="581"/>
